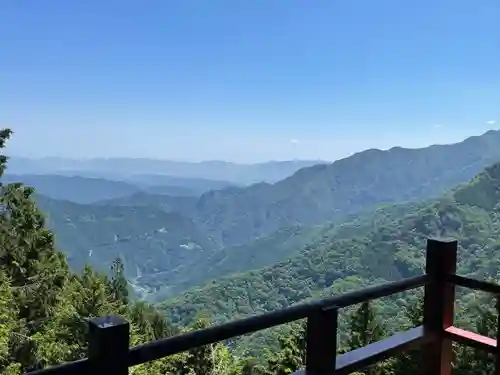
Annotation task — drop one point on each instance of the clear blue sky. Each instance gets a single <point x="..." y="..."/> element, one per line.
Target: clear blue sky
<point x="245" y="80"/>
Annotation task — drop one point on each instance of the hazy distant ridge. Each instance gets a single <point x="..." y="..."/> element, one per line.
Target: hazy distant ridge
<point x="117" y="168"/>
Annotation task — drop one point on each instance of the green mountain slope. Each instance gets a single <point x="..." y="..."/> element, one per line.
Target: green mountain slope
<point x="181" y="204"/>
<point x="74" y="188"/>
<point x="172" y="185"/>
<point x="264" y="251"/>
<point x="387" y="246"/>
<point x="322" y="193"/>
<point x="249" y="228"/>
<point x="87" y="190"/>
<point x="147" y="240"/>
<point x="259" y="253"/>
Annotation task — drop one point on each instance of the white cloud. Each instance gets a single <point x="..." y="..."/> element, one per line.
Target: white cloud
<point x="294" y="141"/>
<point x="491" y="122"/>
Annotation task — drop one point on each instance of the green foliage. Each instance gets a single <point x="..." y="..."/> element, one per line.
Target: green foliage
<point x="45" y="308"/>
<point x="410" y="362"/>
<point x="119" y="282"/>
<point x="364" y="327"/>
<point x="8" y="324"/>
<point x="148" y="240"/>
<point x="346" y="186"/>
<point x="292" y="352"/>
<point x="169" y="244"/>
<point x="373" y="247"/>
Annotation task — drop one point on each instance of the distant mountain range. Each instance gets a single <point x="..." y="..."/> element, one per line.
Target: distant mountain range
<point x="120" y="168"/>
<point x="171" y="243"/>
<point x="80" y="189"/>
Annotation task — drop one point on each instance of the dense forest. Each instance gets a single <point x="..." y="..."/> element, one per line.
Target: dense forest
<point x="170" y="243"/>
<point x="377" y="246"/>
<point x="45" y="306"/>
<point x="385" y="244"/>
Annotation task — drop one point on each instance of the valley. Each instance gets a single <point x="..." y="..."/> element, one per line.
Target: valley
<point x="234" y="251"/>
<point x="169" y="244"/>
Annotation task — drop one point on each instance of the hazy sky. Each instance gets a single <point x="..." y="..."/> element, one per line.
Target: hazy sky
<point x="245" y="80"/>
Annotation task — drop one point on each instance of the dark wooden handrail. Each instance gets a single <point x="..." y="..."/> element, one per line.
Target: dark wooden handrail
<point x="378" y="351"/>
<point x="173" y="345"/>
<point x="109" y="350"/>
<point x="483" y="286"/>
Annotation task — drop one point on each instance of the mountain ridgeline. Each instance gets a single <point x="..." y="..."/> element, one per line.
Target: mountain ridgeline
<point x="86" y="190"/>
<point x="123" y="168"/>
<point x="321" y="193"/>
<point x="163" y="243"/>
<point x="236" y="229"/>
<point x="382" y="245"/>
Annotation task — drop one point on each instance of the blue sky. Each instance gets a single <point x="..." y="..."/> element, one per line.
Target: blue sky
<point x="246" y="80"/>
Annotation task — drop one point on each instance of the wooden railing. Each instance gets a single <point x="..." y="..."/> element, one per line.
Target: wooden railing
<point x="109" y="352"/>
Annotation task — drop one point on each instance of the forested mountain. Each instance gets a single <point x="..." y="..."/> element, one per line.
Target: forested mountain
<point x="172" y="185"/>
<point x="242" y="228"/>
<point x="163" y="252"/>
<point x="386" y="246"/>
<point x="80" y="189"/>
<point x="321" y="193"/>
<point x="263" y="251"/>
<point x="228" y="260"/>
<point x="148" y="240"/>
<point x="74" y="188"/>
<point x="182" y="204"/>
<point x="44" y="307"/>
<point x="118" y="168"/>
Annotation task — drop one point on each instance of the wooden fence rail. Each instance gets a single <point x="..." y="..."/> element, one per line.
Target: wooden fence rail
<point x="109" y="352"/>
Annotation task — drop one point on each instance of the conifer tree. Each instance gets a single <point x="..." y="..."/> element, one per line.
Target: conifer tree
<point x="119" y="282"/>
<point x="36" y="272"/>
<point x="8" y="327"/>
<point x="291" y="356"/>
<point x="45" y="309"/>
<point x="365" y="328"/>
<point x="410" y="362"/>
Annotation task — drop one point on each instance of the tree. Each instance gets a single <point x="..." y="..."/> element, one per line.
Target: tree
<point x="36" y="272"/>
<point x="365" y="328"/>
<point x="119" y="283"/>
<point x="201" y="360"/>
<point x="471" y="361"/>
<point x="8" y="327"/>
<point x="45" y="309"/>
<point x="251" y="366"/>
<point x="292" y="353"/>
<point x="410" y="362"/>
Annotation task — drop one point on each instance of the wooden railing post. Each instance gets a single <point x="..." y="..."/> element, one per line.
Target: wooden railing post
<point x="439" y="300"/>
<point x="321" y="350"/>
<point x="108" y="345"/>
<point x="497" y="359"/>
